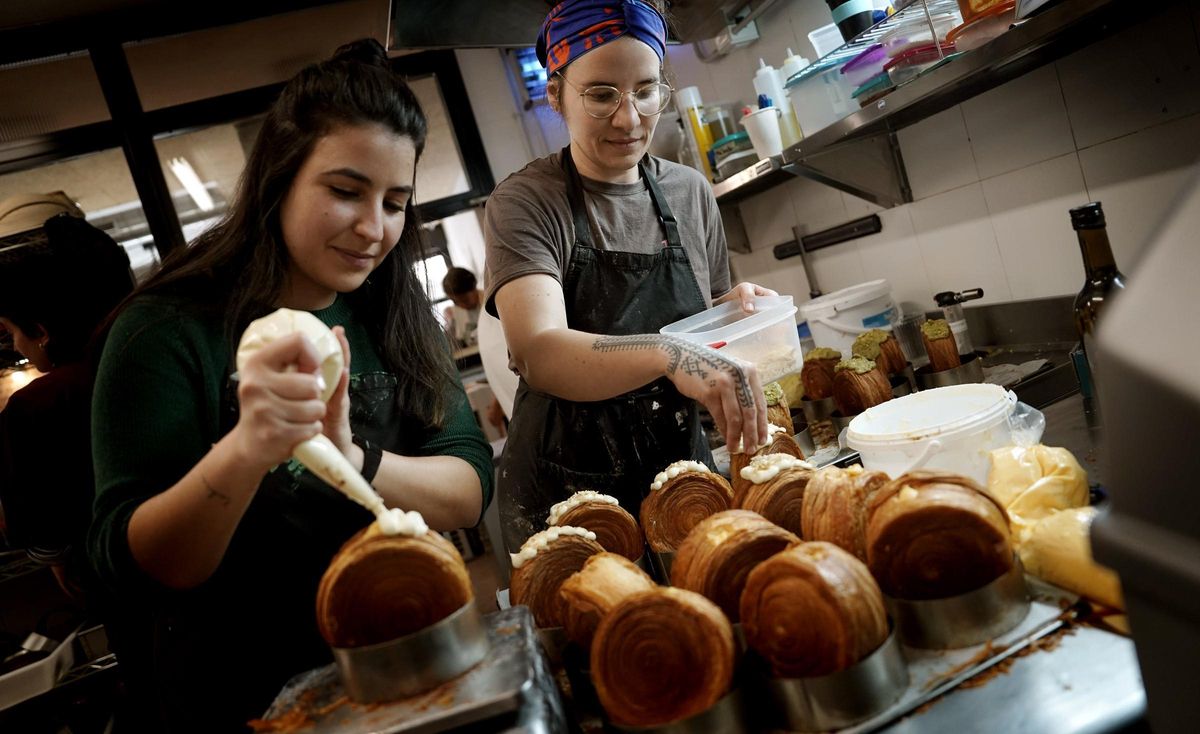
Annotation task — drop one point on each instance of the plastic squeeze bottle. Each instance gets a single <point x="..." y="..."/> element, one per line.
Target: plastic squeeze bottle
<point x="767" y="82"/>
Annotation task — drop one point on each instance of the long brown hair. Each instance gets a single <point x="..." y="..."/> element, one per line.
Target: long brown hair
<point x="239" y="266"/>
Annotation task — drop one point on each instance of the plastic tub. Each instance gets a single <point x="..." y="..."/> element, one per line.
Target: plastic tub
<point x="914" y="31"/>
<point x="734" y="163"/>
<point x="766" y="336"/>
<point x="838" y="318"/>
<point x="949" y="428"/>
<point x="819" y="100"/>
<point x="826" y="39"/>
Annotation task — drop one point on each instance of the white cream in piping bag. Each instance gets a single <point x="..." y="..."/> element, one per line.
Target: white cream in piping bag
<point x="575" y="500"/>
<point x="766" y="467"/>
<point x="772" y="431"/>
<point x="318" y="453"/>
<point x="674" y="470"/>
<point x="542" y="540"/>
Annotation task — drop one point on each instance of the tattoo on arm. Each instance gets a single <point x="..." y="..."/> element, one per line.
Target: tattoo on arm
<point x="695" y="360"/>
<point x="214" y="494"/>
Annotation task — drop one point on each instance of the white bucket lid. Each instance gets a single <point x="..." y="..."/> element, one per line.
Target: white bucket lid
<point x="828" y="305"/>
<point x="936" y="412"/>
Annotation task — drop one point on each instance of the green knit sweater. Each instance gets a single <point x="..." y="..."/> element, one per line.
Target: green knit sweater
<point x="162" y="398"/>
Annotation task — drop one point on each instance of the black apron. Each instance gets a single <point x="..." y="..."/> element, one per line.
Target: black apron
<point x="223" y="651"/>
<point x="557" y="447"/>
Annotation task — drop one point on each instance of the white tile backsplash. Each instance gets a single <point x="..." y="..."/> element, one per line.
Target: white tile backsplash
<point x="817" y="206"/>
<point x="937" y="154"/>
<point x="783" y="276"/>
<point x="1018" y="124"/>
<point x="1131" y="81"/>
<point x="893" y="254"/>
<point x="686" y="70"/>
<point x="838" y="267"/>
<point x="1136" y="178"/>
<point x="1029" y="209"/>
<point x="958" y="244"/>
<point x="769" y="218"/>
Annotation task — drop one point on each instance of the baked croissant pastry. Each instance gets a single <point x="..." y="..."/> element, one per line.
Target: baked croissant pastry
<point x="778" y="412"/>
<point x="879" y="346"/>
<point x="812" y="610"/>
<point x="615" y="528"/>
<point x="932" y="535"/>
<point x="817" y="373"/>
<point x="589" y="593"/>
<point x="379" y="587"/>
<point x="940" y="345"/>
<point x="778" y="442"/>
<point x="682" y="495"/>
<point x="777" y="483"/>
<point x="661" y="656"/>
<point x="835" y="507"/>
<point x="720" y="552"/>
<point x="545" y="561"/>
<point x="859" y="384"/>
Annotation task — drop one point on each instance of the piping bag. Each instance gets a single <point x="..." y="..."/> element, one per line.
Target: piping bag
<point x="318" y="454"/>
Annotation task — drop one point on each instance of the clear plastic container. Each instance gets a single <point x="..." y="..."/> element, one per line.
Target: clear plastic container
<point x="864" y="66"/>
<point x="825" y="39"/>
<point x="983" y="27"/>
<point x="766" y="336"/>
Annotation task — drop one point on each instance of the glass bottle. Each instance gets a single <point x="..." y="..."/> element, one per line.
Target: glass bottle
<point x="1102" y="278"/>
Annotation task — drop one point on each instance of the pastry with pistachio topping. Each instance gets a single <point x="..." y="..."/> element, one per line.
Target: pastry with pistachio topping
<point x="940" y="345"/>
<point x="858" y="384"/>
<point x="817" y="374"/>
<point x="778" y="411"/>
<point x="878" y="345"/>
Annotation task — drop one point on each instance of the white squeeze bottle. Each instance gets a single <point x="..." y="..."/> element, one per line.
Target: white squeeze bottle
<point x="767" y="81"/>
<point x="792" y="66"/>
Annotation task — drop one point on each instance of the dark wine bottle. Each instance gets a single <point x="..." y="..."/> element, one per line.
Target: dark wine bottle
<point x="1102" y="278"/>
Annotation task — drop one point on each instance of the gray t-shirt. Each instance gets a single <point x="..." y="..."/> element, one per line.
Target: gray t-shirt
<point x="529" y="229"/>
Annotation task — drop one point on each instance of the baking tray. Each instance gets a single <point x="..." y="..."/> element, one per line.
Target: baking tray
<point x="933" y="673"/>
<point x="510" y="685"/>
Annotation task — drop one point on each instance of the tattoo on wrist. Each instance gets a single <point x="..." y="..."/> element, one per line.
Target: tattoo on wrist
<point x="693" y="359"/>
<point x="214" y="494"/>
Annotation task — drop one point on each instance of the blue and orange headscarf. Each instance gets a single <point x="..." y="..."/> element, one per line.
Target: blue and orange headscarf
<point x="575" y="27"/>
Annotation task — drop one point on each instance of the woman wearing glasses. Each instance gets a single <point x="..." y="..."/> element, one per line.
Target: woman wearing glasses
<point x="589" y="252"/>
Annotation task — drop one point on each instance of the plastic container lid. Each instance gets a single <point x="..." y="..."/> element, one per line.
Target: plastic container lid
<point x="727" y="322"/>
<point x="918" y="55"/>
<point x="877" y="83"/>
<point x="984" y="27"/>
<point x="929" y="413"/>
<point x="871" y="56"/>
<point x="827" y="306"/>
<point x="741" y="136"/>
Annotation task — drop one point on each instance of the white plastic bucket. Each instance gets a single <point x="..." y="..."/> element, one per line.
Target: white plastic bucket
<point x="837" y="319"/>
<point x="948" y="428"/>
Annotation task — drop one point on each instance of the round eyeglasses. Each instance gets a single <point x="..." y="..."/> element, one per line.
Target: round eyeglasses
<point x="603" y="101"/>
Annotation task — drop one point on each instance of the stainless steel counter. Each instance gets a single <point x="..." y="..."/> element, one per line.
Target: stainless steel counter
<point x="1090" y="683"/>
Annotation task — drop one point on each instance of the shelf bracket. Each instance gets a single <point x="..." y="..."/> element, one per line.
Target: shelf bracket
<point x="870" y="167"/>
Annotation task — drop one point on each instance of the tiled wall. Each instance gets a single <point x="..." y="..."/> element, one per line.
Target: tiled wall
<point x="992" y="178"/>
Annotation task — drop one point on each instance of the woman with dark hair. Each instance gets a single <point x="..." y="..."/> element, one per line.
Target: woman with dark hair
<point x="200" y="515"/>
<point x="590" y="252"/>
<point x="52" y="302"/>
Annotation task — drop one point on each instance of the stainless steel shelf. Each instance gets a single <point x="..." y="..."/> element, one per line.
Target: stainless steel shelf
<point x="761" y="176"/>
<point x="859" y="153"/>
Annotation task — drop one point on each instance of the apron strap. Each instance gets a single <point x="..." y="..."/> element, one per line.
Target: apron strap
<point x="665" y="215"/>
<point x="583" y="228"/>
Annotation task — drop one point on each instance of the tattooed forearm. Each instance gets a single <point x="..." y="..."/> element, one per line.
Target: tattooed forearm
<point x="214" y="494"/>
<point x="693" y="359"/>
